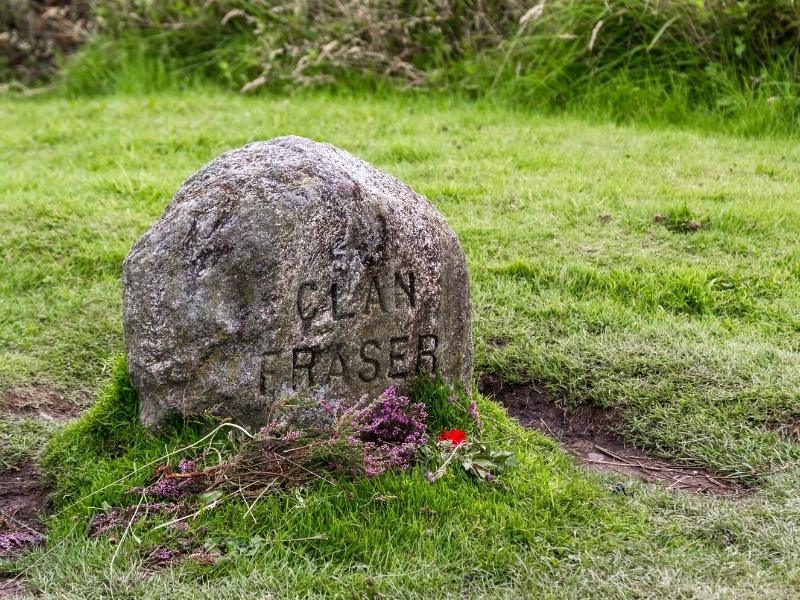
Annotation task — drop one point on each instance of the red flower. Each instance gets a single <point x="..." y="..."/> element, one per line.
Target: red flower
<point x="454" y="436"/>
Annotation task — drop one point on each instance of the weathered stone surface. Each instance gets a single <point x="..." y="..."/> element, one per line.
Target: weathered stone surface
<point x="286" y="267"/>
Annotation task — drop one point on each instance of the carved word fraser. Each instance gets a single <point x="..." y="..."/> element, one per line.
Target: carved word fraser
<point x="398" y="357"/>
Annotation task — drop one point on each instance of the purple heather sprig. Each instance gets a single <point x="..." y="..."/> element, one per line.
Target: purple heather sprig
<point x="170" y="488"/>
<point x="19" y="539"/>
<point x="165" y="555"/>
<point x="291" y="436"/>
<point x="390" y="431"/>
<point x="187" y="465"/>
<point x="266" y="431"/>
<point x="473" y="411"/>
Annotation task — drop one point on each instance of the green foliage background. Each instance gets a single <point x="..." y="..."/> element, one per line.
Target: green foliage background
<point x="729" y="63"/>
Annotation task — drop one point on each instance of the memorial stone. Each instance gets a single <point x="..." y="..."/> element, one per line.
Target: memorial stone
<point x="291" y="267"/>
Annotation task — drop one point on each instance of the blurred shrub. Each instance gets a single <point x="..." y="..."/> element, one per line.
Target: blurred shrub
<point x="575" y="45"/>
<point x="660" y="59"/>
<point x="636" y="57"/>
<point x="251" y="44"/>
<point x="35" y="34"/>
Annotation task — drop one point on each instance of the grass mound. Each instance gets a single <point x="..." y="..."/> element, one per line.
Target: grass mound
<point x="364" y="535"/>
<point x="543" y="524"/>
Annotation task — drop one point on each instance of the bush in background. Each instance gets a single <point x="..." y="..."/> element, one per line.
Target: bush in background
<point x="644" y="59"/>
<point x="661" y="58"/>
<point x="34" y="35"/>
<point x="286" y="43"/>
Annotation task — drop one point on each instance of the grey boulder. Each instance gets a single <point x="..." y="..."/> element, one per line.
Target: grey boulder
<point x="291" y="267"/>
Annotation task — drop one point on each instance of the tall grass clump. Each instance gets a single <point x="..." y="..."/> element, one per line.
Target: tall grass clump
<point x="734" y="62"/>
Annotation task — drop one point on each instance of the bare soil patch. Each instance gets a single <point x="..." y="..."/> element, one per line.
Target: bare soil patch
<point x="22" y="500"/>
<point x="13" y="587"/>
<point x="788" y="431"/>
<point x="38" y="402"/>
<point x="589" y="435"/>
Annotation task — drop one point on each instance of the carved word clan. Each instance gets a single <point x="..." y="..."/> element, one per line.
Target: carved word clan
<point x="375" y="296"/>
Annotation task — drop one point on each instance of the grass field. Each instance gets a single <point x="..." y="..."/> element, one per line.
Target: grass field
<point x="650" y="271"/>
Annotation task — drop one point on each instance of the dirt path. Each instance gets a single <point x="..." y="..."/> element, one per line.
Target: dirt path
<point x="41" y="403"/>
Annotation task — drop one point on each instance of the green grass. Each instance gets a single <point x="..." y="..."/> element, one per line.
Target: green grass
<point x="581" y="262"/>
<point x="21" y="438"/>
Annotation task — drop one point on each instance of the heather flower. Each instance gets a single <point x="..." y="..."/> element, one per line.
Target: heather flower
<point x="473" y="411"/>
<point x="331" y="407"/>
<point x="187" y="466"/>
<point x="437" y="474"/>
<point x="165" y="555"/>
<point x="381" y="458"/>
<point x="267" y="430"/>
<point x="170" y="488"/>
<point x="164" y="488"/>
<point x="19" y="539"/>
<point x="389" y="431"/>
<point x="291" y="436"/>
<point x="392" y="419"/>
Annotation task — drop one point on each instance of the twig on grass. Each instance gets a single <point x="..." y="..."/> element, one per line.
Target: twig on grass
<point x="326" y="480"/>
<point x="18" y="522"/>
<point x="153" y="462"/>
<point x="614" y="455"/>
<point x="546" y="426"/>
<point x="608" y="462"/>
<point x="264" y="491"/>
<point x="193" y="474"/>
<point x="677" y="481"/>
<point x="247" y="504"/>
<point x="124" y="535"/>
<point x="196" y="513"/>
